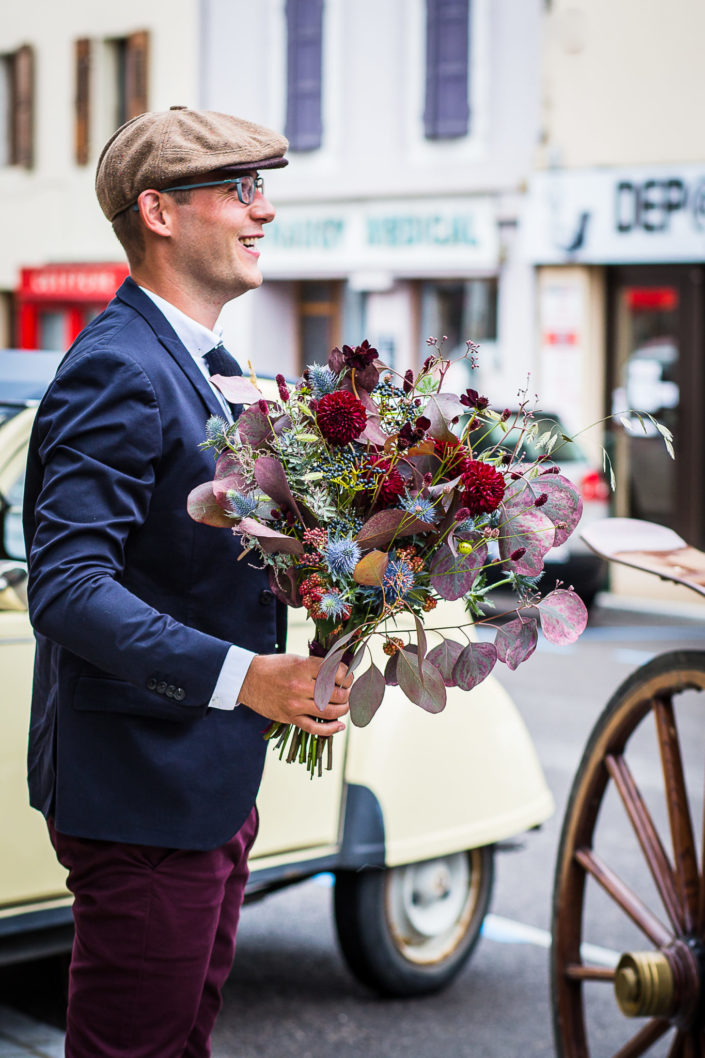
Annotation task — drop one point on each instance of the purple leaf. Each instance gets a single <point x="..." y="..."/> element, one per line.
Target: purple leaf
<point x="254" y="426"/>
<point x="203" y="507"/>
<point x="529" y="532"/>
<point x="430" y="692"/>
<point x="516" y="641"/>
<point x="283" y="584"/>
<point x="237" y="389"/>
<point x="269" y="539"/>
<point x="474" y="665"/>
<point x="452" y="576"/>
<point x="383" y="527"/>
<point x="563" y="616"/>
<point x="325" y="680"/>
<point x="370" y="569"/>
<point x="421" y="643"/>
<point x="444" y="657"/>
<point x="366" y="696"/>
<point x="390" y="669"/>
<point x="440" y="409"/>
<point x="373" y="433"/>
<point x="271" y="478"/>
<point x="229" y="468"/>
<point x="562" y="505"/>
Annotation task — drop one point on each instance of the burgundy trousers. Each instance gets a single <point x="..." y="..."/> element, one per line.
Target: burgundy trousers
<point x="154" y="944"/>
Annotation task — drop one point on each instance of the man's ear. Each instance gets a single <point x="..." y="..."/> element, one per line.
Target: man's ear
<point x="154" y="216"/>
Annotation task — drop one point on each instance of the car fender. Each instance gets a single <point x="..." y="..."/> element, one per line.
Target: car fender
<point x="466" y="777"/>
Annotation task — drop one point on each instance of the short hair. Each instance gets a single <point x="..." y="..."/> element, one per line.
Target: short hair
<point x="129" y="229"/>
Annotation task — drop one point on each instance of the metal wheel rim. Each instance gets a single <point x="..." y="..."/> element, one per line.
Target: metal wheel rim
<point x="430" y="905"/>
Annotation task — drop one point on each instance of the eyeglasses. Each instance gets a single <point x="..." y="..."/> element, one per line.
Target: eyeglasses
<point x="246" y="186"/>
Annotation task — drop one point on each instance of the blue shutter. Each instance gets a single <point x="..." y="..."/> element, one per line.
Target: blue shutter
<point x="447" y="113"/>
<point x="304" y="127"/>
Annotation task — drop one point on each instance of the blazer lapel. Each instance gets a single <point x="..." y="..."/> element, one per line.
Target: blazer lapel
<point x="131" y="295"/>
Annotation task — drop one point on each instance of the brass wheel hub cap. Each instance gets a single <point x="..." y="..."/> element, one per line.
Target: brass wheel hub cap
<point x="661" y="984"/>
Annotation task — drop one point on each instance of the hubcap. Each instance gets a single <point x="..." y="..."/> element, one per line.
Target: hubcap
<point x="662" y="984"/>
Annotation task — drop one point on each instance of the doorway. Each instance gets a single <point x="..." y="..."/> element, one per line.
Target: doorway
<point x="656" y="375"/>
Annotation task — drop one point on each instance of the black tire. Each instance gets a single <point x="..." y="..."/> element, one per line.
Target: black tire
<point x="409" y="930"/>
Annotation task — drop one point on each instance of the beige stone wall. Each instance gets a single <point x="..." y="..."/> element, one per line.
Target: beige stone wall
<point x="624" y="82"/>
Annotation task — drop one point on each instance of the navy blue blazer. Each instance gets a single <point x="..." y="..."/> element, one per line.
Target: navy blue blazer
<point x="134" y="604"/>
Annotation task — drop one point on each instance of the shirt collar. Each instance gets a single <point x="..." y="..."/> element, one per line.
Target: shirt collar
<point x="198" y="339"/>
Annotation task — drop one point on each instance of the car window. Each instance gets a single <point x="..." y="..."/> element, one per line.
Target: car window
<point x="563" y="451"/>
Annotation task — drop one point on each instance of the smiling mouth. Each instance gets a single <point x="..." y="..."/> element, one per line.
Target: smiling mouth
<point x="249" y="241"/>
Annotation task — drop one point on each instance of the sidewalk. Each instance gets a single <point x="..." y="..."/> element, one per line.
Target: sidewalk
<point x="22" y="1037"/>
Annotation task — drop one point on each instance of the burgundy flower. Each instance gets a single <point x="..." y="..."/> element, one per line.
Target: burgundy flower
<point x="389" y="485"/>
<point x="483" y="487"/>
<point x="361" y="356"/>
<point x="341" y="417"/>
<point x="540" y="500"/>
<point x="472" y="399"/>
<point x="281" y="386"/>
<point x="408" y="381"/>
<point x="453" y="455"/>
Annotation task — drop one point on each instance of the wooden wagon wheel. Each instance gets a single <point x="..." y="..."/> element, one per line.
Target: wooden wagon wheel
<point x="661" y="985"/>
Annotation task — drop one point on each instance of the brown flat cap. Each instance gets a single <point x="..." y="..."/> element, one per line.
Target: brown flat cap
<point x="167" y="146"/>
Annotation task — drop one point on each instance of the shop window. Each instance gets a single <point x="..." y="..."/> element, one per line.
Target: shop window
<point x="319" y="320"/>
<point x="82" y="57"/>
<point x="128" y="61"/>
<point x="17" y="107"/>
<point x="447" y="111"/>
<point x="460" y="310"/>
<point x="304" y="24"/>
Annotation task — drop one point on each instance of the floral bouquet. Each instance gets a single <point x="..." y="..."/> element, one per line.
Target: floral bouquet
<point x="369" y="497"/>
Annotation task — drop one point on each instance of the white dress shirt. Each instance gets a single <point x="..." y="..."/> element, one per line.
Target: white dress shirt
<point x="199" y="340"/>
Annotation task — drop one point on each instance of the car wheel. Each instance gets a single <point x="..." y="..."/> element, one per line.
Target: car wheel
<point x="407" y="931"/>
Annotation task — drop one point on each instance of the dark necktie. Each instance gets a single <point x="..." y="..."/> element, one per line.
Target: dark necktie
<point x="220" y="362"/>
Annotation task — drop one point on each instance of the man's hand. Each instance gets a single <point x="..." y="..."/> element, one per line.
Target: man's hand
<point x="280" y="687"/>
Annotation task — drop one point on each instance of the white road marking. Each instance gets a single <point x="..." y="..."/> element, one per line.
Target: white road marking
<point x="508" y="931"/>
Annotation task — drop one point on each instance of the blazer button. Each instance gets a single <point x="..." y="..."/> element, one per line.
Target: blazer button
<point x="151" y="683"/>
<point x="266" y="597"/>
<point x="170" y="690"/>
<point x="161" y="687"/>
<point x="179" y="694"/>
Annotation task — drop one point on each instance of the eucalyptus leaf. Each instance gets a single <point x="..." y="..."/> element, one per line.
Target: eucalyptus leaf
<point x="269" y="539"/>
<point x="429" y="693"/>
<point x="444" y="657"/>
<point x="325" y="680"/>
<point x="366" y="696"/>
<point x="371" y="568"/>
<point x="452" y="576"/>
<point x="516" y="641"/>
<point x="203" y="506"/>
<point x="563" y="616"/>
<point x="528" y="534"/>
<point x="474" y="664"/>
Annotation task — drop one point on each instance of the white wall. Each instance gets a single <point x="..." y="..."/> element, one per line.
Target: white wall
<point x="50" y="213"/>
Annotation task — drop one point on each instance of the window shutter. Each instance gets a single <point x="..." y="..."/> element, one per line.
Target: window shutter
<point x="23" y="99"/>
<point x="136" y="74"/>
<point x="304" y="127"/>
<point x="82" y="102"/>
<point x="447" y="113"/>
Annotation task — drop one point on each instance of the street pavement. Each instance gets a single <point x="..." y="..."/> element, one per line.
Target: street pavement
<point x="290" y="993"/>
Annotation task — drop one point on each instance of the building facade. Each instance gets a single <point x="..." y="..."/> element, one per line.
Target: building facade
<point x="412" y="126"/>
<point x="616" y="230"/>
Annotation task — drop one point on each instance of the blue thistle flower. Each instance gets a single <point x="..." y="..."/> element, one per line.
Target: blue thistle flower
<point x="241" y="506"/>
<point x="398" y="579"/>
<point x="216" y="430"/>
<point x="322" y="380"/>
<point x="333" y="605"/>
<point x="422" y="509"/>
<point x="342" y="556"/>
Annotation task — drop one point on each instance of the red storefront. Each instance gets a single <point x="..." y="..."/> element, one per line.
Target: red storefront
<point x="56" y="301"/>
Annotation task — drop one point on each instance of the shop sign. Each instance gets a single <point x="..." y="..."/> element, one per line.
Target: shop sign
<point x="71" y="282"/>
<point x="617" y="216"/>
<point x="410" y="237"/>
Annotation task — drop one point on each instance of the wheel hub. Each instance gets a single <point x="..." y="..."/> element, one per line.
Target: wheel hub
<point x="662" y="984"/>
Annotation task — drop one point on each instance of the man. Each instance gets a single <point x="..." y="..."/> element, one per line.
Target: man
<point x="149" y="631"/>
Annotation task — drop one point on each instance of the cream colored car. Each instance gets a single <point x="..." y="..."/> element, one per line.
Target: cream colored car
<point x="407" y="821"/>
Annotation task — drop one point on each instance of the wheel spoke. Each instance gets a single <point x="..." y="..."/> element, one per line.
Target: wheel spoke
<point x="639" y="1044"/>
<point x="613" y="885"/>
<point x="686" y="867"/>
<point x="647" y="836"/>
<point x="676" y="1048"/>
<point x="577" y="971"/>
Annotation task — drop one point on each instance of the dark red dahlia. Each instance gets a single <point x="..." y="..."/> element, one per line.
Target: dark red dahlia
<point x="472" y="399"/>
<point x="483" y="487"/>
<point x="389" y="485"/>
<point x="453" y="455"/>
<point x="341" y="417"/>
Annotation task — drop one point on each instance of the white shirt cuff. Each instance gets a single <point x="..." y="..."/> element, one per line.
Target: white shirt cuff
<point x="232" y="676"/>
